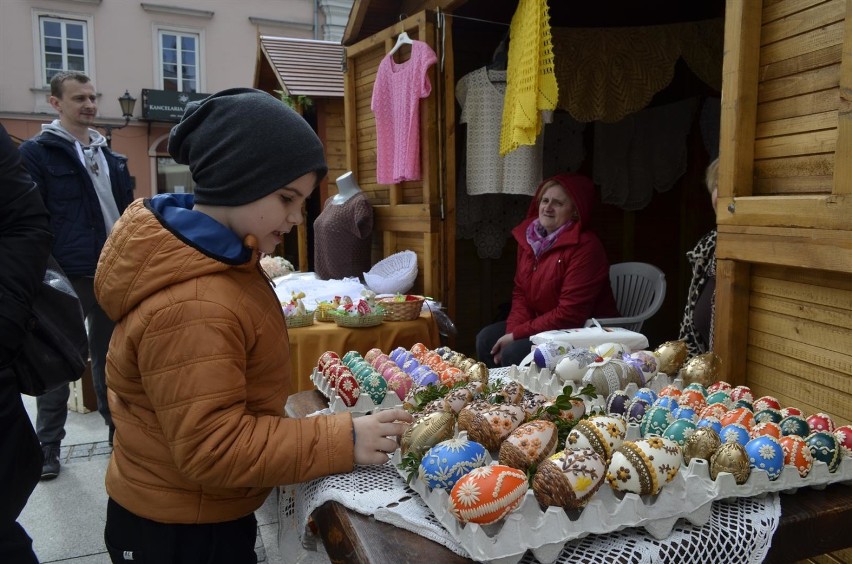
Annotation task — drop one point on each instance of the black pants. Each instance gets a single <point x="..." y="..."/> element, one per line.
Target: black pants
<point x="130" y="538"/>
<point x="20" y="468"/>
<point x="513" y="353"/>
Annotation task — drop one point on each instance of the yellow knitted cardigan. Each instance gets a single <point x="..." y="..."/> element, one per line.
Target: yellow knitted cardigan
<point x="530" y="81"/>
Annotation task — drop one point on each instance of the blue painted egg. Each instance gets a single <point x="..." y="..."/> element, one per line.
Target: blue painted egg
<point x="765" y="453"/>
<point x="824" y="446"/>
<point x="404" y="358"/>
<point x="768" y="414"/>
<point x="646" y="394"/>
<point x="394" y="354"/>
<point x="794" y="425"/>
<point x="655" y="421"/>
<point x="617" y="402"/>
<point x="410" y="365"/>
<point x="743" y="403"/>
<point x="685" y="413"/>
<point x="711" y="422"/>
<point x="680" y="430"/>
<point x="735" y="433"/>
<point x="445" y="463"/>
<point x="423" y="376"/>
<point x="375" y="386"/>
<point x="669" y="402"/>
<point x="636" y="410"/>
<point x="721" y="396"/>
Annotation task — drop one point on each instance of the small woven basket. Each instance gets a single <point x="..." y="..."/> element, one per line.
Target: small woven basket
<point x="294" y="321"/>
<point x="369" y="320"/>
<point x="322" y="312"/>
<point x="401" y="311"/>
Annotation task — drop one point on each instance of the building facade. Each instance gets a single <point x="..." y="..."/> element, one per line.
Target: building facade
<point x="162" y="54"/>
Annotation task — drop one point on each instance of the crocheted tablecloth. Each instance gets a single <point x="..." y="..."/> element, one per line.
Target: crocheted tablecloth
<point x="738" y="531"/>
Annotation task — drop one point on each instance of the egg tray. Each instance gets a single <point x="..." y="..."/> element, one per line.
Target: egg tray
<point x="546" y="382"/>
<point x="545" y="532"/>
<point x="363" y="405"/>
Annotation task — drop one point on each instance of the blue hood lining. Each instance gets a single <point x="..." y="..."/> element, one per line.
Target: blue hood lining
<point x="197" y="229"/>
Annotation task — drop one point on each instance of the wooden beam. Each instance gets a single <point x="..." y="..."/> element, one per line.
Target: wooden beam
<point x="730" y="328"/>
<point x="800" y="248"/>
<point x="820" y="211"/>
<point x="842" y="165"/>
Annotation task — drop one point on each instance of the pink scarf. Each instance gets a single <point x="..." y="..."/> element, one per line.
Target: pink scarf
<point x="538" y="238"/>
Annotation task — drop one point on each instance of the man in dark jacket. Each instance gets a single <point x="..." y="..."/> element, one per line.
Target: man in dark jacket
<point x="24" y="248"/>
<point x="86" y="187"/>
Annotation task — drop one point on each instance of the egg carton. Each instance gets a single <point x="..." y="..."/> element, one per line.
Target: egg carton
<point x="545" y="381"/>
<point x="363" y="405"/>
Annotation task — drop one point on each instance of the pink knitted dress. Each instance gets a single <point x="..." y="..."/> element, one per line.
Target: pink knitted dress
<point x="396" y="103"/>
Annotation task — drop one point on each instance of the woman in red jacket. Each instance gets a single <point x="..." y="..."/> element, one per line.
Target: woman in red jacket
<point x="562" y="277"/>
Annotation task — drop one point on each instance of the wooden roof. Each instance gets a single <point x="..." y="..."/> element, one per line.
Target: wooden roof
<point x="302" y="67"/>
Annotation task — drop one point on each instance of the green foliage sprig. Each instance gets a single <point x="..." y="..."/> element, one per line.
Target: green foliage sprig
<point x="563" y="403"/>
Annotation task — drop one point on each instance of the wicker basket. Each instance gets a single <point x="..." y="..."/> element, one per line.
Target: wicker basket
<point x="401" y="311"/>
<point x="394" y="274"/>
<point x="323" y="312"/>
<point x="294" y="321"/>
<point x="370" y="320"/>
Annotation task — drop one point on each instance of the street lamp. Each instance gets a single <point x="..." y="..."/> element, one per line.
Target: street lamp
<point x="127" y="103"/>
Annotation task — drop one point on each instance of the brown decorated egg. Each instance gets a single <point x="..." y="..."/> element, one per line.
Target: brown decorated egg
<point x="492" y="426"/>
<point x="601" y="433"/>
<point x="733" y="458"/>
<point x="703" y="369"/>
<point x="569" y="478"/>
<point x="670" y="356"/>
<point x="701" y="444"/>
<point x="797" y="453"/>
<point x="458" y="398"/>
<point x="643" y="467"/>
<point x="577" y="410"/>
<point x="428" y="431"/>
<point x="533" y="403"/>
<point x="611" y="375"/>
<point x="512" y="392"/>
<point x="347" y="389"/>
<point x="529" y="444"/>
<point x="487" y="494"/>
<point x="468" y="412"/>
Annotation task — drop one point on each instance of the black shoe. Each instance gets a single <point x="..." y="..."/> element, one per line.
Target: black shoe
<point x="50" y="467"/>
<point x="111" y="433"/>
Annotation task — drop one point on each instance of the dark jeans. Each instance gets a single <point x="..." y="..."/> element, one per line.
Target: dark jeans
<point x="53" y="406"/>
<point x="20" y="469"/>
<point x="512" y="354"/>
<point x="130" y="538"/>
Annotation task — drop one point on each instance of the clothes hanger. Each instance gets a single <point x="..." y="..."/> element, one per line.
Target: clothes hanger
<point x="500" y="58"/>
<point x="401" y="40"/>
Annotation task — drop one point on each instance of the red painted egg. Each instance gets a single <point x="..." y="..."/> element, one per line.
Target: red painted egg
<point x="487" y="494"/>
<point x="843" y="434"/>
<point x="797" y="453"/>
<point x="325" y="358"/>
<point x="741" y="393"/>
<point x="820" y="422"/>
<point x="400" y="383"/>
<point x="766" y="402"/>
<point x="787" y="411"/>
<point x="348" y="389"/>
<point x="720" y="386"/>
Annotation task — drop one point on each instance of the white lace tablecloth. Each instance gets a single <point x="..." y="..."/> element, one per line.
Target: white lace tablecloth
<point x="738" y="531"/>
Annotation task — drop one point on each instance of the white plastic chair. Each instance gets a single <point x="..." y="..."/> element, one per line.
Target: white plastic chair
<point x="639" y="289"/>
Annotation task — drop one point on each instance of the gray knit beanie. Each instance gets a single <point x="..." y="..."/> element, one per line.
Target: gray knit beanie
<point x="243" y="144"/>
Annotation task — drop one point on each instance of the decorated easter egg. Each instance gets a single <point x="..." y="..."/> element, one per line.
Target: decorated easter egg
<point x="697" y="386"/>
<point x="820" y="422"/>
<point x="765" y="453"/>
<point x="680" y="430"/>
<point x="487" y="494"/>
<point x="418" y="350"/>
<point x="451" y="376"/>
<point x="334" y="371"/>
<point x="392" y="371"/>
<point x="371" y="354"/>
<point x="735" y="433"/>
<point x="446" y="462"/>
<point x="797" y="453"/>
<point x="427" y="431"/>
<point x="601" y="433"/>
<point x="468" y="412"/>
<point x="824" y="447"/>
<point x="710" y="422"/>
<point x="795" y="425"/>
<point x="636" y="410"/>
<point x="362" y="371"/>
<point x="610" y="375"/>
<point x="492" y="426"/>
<point x="533" y="403"/>
<point x="466" y="363"/>
<point x="374" y="386"/>
<point x="574" y="364"/>
<point x="739" y="415"/>
<point x="512" y="392"/>
<point x="719" y="386"/>
<point x="646" y="394"/>
<point x="768" y="414"/>
<point x="645" y="362"/>
<point x="766" y="428"/>
<point x="742" y="393"/>
<point x="670" y="390"/>
<point x="610" y="350"/>
<point x="576" y="410"/>
<point x="764" y="402"/>
<point x="400" y="383"/>
<point x="410" y="365"/>
<point x="732" y="458"/>
<point x="685" y="412"/>
<point x="703" y="369"/>
<point x="569" y="478"/>
<point x="787" y="411"/>
<point x="529" y="444"/>
<point x="394" y="354"/>
<point x="670" y="356"/>
<point x="436" y="405"/>
<point x="721" y="396"/>
<point x="668" y="402"/>
<point x="701" y="444"/>
<point x="655" y="421"/>
<point x="458" y="398"/>
<point x="325" y="358"/>
<point x="644" y="466"/>
<point x="476" y="372"/>
<point x="743" y="403"/>
<point x="617" y="402"/>
<point x="713" y="410"/>
<point x="843" y="434"/>
<point x="692" y="398"/>
<point x="351" y="356"/>
<point x="423" y="376"/>
<point x="347" y="389"/>
<point x="378" y="359"/>
<point x="548" y="355"/>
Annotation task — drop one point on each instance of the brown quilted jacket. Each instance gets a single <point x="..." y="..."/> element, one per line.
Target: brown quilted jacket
<point x="198" y="373"/>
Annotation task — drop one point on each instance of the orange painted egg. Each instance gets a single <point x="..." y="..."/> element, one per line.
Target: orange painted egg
<point x="741" y="415"/>
<point x="487" y="494"/>
<point x="419" y="349"/>
<point x="451" y="376"/>
<point x="670" y="390"/>
<point x="692" y="398"/>
<point x="797" y="453"/>
<point x="766" y="428"/>
<point x="716" y="410"/>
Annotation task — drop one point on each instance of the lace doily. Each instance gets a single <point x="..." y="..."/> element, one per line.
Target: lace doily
<point x="379" y="491"/>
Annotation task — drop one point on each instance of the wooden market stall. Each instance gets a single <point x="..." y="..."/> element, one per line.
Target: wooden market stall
<point x="784" y="294"/>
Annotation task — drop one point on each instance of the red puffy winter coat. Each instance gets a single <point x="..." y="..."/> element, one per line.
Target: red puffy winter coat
<point x="569" y="282"/>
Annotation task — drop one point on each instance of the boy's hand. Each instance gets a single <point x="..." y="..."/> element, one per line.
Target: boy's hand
<point x="375" y="435"/>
